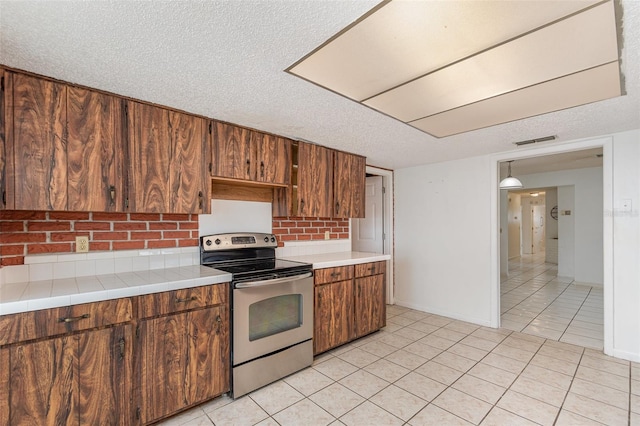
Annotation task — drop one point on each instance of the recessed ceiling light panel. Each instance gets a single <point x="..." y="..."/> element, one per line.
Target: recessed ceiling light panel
<point x="426" y="62"/>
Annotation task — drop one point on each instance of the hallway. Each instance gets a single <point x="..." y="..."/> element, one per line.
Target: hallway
<point x="535" y="301"/>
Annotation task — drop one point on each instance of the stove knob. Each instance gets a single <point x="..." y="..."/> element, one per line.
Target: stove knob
<point x="273" y="239"/>
<point x="208" y="242"/>
<point x="266" y="239"/>
<point x="217" y="241"/>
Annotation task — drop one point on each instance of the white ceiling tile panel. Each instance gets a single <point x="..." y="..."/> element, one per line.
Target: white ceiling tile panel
<point x="593" y="85"/>
<point x="404" y="40"/>
<point x="582" y="41"/>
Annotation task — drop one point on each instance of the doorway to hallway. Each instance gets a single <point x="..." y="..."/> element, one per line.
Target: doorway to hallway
<point x="534" y="300"/>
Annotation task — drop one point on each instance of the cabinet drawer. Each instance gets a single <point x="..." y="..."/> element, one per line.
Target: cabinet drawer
<point x="373" y="268"/>
<point x="51" y="322"/>
<point x="328" y="275"/>
<point x="181" y="300"/>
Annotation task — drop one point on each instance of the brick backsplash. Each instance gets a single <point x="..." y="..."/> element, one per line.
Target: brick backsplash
<point x="309" y="228"/>
<point x="32" y="232"/>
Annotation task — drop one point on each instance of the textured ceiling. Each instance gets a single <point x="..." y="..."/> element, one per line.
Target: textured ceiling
<point x="226" y="60"/>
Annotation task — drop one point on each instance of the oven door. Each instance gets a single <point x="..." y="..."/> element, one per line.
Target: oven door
<point x="271" y="315"/>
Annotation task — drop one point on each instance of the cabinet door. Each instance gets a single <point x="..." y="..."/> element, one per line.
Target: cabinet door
<point x="43" y="383"/>
<point x="190" y="155"/>
<point x="273" y="163"/>
<point x="104" y="376"/>
<point x="315" y="181"/>
<point x="333" y="315"/>
<point x="71" y="380"/>
<point x="94" y="151"/>
<point x="349" y="185"/>
<point x="233" y="157"/>
<point x="4" y="119"/>
<point x="38" y="169"/>
<point x="4" y="386"/>
<point x="184" y="360"/>
<point x="149" y="155"/>
<point x="369" y="307"/>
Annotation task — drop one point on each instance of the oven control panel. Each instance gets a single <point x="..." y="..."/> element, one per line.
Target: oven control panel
<point x="237" y="241"/>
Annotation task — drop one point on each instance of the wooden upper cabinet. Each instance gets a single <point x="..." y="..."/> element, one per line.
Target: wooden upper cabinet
<point x="349" y="185"/>
<point x="149" y="158"/>
<point x="273" y="160"/>
<point x="167" y="160"/>
<point x="95" y="160"/>
<point x="245" y="154"/>
<point x="62" y="147"/>
<point x="233" y="157"/>
<point x="190" y="154"/>
<point x="315" y="181"/>
<point x="37" y="160"/>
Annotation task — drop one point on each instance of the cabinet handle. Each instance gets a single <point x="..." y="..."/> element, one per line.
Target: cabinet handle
<point x="4" y="197"/>
<point x="186" y="299"/>
<point x="301" y="206"/>
<point x="112" y="194"/>
<point x="262" y="169"/>
<point x="200" y="200"/>
<point x="248" y="167"/>
<point x="219" y="322"/>
<point x="333" y="274"/>
<point x="73" y="319"/>
<point x="337" y="207"/>
<point x="121" y="345"/>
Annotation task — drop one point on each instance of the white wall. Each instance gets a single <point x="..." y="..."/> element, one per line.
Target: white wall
<point x="580" y="239"/>
<point x="447" y="244"/>
<point x="442" y="239"/>
<point x="625" y="293"/>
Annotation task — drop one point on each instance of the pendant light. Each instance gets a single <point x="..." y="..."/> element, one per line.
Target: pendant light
<point x="510" y="182"/>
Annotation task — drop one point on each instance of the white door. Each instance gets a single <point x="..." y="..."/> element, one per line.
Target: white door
<point x="527" y="227"/>
<point x="368" y="232"/>
<point x="538" y="228"/>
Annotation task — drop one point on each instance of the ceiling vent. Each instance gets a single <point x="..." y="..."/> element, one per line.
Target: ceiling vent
<point x="530" y="141"/>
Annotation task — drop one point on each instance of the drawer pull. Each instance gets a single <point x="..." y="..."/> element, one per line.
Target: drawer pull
<point x="335" y="274"/>
<point x="73" y="319"/>
<point x="186" y="299"/>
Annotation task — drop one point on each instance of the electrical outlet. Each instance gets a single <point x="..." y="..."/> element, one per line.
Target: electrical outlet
<point x="327" y="235"/>
<point x="82" y="244"/>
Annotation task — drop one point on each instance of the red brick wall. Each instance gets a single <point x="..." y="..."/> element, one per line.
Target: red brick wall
<point x="309" y="228"/>
<point x="31" y="232"/>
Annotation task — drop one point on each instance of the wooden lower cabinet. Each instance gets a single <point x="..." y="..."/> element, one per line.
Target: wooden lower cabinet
<point x="113" y="362"/>
<point x="76" y="379"/>
<point x="333" y="316"/>
<point x="349" y="303"/>
<point x="369" y="306"/>
<point x="184" y="360"/>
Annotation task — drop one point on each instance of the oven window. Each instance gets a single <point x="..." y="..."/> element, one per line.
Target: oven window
<point x="274" y="315"/>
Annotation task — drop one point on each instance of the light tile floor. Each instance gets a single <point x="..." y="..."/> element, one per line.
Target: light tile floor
<point x="535" y="301"/>
<point x="424" y="369"/>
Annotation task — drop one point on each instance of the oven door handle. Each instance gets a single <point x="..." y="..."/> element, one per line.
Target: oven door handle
<point x="261" y="283"/>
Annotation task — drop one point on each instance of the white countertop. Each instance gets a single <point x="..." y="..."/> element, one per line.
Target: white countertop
<point x="35" y="295"/>
<point x="343" y="258"/>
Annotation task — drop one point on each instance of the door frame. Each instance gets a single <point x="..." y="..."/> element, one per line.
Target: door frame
<point x="388" y="212"/>
<point x="606" y="143"/>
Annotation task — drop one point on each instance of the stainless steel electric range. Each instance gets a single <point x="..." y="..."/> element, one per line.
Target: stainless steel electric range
<point x="272" y="308"/>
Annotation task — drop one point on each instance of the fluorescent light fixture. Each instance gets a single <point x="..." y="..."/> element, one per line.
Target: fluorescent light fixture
<point x="510" y="182"/>
<point x="447" y="67"/>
